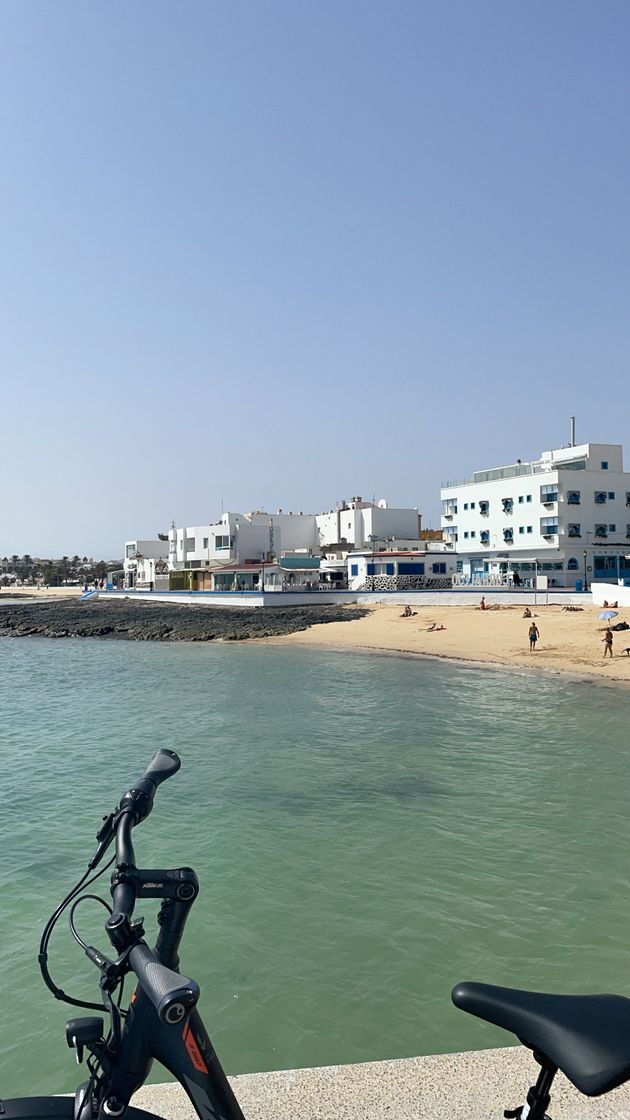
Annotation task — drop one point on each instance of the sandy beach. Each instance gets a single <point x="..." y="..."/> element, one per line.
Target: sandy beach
<point x="45" y="594"/>
<point x="570" y="641"/>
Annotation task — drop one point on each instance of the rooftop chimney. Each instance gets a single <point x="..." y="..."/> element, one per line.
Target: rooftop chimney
<point x="572" y="440"/>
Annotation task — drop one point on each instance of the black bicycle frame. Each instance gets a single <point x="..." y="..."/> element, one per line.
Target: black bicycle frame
<point x="184" y="1049"/>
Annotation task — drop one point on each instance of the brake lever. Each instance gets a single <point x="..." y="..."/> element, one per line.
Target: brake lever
<point x="105" y="835"/>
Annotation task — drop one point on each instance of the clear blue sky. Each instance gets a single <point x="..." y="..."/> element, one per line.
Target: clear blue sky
<point x="281" y="253"/>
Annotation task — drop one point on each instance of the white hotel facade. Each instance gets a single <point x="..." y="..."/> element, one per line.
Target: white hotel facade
<point x="565" y="516"/>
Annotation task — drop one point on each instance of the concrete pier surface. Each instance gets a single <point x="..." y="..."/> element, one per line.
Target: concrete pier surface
<point x="477" y="1085"/>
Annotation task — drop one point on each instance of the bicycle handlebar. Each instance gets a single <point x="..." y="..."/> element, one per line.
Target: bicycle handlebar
<point x="171" y="994"/>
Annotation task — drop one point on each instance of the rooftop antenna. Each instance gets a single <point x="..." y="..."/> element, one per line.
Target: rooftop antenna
<point x="572" y="440"/>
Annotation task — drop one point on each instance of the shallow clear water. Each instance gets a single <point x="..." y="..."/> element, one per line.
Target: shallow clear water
<point x="367" y="831"/>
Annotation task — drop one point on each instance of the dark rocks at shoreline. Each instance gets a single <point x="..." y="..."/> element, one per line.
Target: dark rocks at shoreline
<point x="162" y="622"/>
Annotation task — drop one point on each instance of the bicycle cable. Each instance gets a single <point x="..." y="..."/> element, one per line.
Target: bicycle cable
<point x="77" y="902"/>
<point x="42" y="956"/>
<point x="77" y="937"/>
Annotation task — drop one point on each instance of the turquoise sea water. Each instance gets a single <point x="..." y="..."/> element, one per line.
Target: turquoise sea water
<point x="367" y="831"/>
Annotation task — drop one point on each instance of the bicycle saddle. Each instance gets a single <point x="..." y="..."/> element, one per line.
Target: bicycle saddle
<point x="587" y="1037"/>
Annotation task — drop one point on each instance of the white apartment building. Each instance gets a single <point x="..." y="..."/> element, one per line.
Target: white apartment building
<point x="241" y="537"/>
<point x="565" y="515"/>
<point x="358" y="524"/>
<point x="260" y="537"/>
<point x="145" y="563"/>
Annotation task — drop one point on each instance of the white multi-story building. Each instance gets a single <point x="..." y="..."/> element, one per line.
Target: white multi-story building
<point x="565" y="515"/>
<point x="145" y="563"/>
<point x="259" y="538"/>
<point x="241" y="537"/>
<point x="358" y="524"/>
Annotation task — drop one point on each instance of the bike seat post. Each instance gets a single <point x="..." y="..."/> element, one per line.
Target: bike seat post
<point x="539" y="1095"/>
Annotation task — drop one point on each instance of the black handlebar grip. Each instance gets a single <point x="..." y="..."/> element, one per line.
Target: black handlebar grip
<point x="162" y="766"/>
<point x="171" y="994"/>
<point x="139" y="799"/>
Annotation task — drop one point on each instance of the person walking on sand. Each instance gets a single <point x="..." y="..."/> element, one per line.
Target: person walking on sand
<point x="534" y="634"/>
<point x="482" y="605"/>
<point x="608" y="641"/>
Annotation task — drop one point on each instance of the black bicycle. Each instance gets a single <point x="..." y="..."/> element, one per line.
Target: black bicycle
<point x="161" y="1022"/>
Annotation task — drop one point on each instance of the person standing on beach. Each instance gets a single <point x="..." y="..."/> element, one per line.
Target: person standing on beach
<point x="482" y="605"/>
<point x="534" y="634"/>
<point x="608" y="641"/>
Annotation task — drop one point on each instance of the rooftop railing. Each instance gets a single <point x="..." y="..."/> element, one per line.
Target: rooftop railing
<point x="517" y="470"/>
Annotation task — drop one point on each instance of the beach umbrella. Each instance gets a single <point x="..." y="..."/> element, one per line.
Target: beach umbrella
<point x="605" y="615"/>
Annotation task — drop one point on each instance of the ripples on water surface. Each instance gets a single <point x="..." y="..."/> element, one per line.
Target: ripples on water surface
<point x="367" y="831"/>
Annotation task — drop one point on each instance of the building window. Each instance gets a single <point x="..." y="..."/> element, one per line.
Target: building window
<point x="473" y="533"/>
<point x="604" y="465"/>
<point x="439" y="569"/>
<point x="599" y="497"/>
<point x="521" y="499"/>
<point x="472" y="505"/>
<point x="205" y="542"/>
<point x="574" y="529"/>
<point x="484" y="507"/>
<point x="628" y="531"/>
<point x="529" y="529"/>
<point x="549" y="493"/>
<point x="465" y="505"/>
<point x="601" y="531"/>
<point x="573" y="497"/>
<point x="411" y="569"/>
<point x="521" y="528"/>
<point x="528" y="498"/>
<point x="605" y="563"/>
<point x="354" y="569"/>
<point x="389" y="569"/>
<point x="573" y="564"/>
<point x="508" y="504"/>
<point x="377" y="569"/>
<point x="612" y="528"/>
<point x="611" y="495"/>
